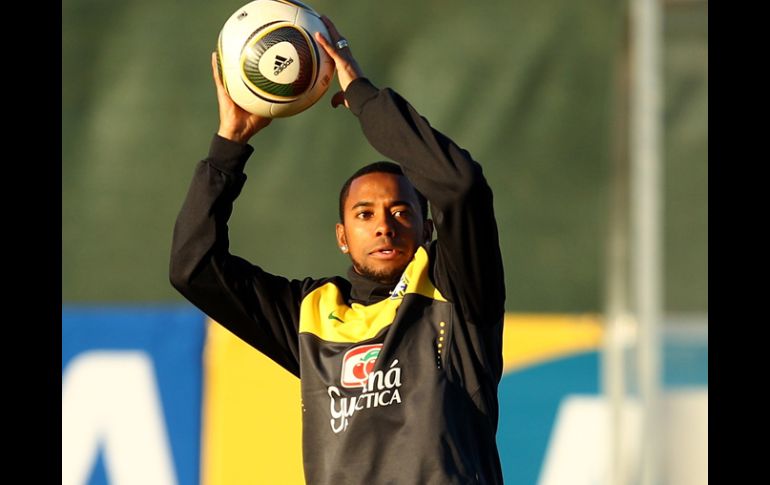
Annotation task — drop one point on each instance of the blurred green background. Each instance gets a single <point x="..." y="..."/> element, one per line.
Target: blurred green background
<point x="533" y="89"/>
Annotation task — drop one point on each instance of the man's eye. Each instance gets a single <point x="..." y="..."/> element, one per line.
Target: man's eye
<point x="364" y="215"/>
<point x="401" y="213"/>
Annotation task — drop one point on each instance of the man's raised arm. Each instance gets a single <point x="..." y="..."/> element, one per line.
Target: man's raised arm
<point x="260" y="308"/>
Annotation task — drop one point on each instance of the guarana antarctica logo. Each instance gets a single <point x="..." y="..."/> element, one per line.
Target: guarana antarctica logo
<point x="379" y="388"/>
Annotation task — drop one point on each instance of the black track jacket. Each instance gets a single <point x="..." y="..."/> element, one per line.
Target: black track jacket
<point x="399" y="385"/>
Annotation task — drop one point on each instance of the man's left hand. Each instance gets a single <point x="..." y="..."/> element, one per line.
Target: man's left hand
<point x="338" y="49"/>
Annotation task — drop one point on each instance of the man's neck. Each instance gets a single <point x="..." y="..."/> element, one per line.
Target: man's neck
<point x="367" y="291"/>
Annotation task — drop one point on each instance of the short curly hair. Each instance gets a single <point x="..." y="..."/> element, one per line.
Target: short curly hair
<point x="378" y="167"/>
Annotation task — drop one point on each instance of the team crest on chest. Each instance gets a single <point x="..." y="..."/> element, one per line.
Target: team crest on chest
<point x="400" y="290"/>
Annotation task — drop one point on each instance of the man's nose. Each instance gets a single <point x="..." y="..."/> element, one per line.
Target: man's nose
<point x="386" y="226"/>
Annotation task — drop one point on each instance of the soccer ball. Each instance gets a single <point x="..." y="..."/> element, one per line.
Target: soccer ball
<point x="269" y="61"/>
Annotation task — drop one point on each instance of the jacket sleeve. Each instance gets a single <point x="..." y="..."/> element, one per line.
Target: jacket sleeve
<point x="260" y="308"/>
<point x="469" y="264"/>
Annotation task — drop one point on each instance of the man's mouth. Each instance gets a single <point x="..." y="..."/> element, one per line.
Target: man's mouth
<point x="384" y="252"/>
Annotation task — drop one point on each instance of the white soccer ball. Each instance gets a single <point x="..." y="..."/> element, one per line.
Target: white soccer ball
<point x="268" y="60"/>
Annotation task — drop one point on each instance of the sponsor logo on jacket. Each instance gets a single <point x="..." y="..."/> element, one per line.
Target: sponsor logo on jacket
<point x="379" y="388"/>
<point x="358" y="364"/>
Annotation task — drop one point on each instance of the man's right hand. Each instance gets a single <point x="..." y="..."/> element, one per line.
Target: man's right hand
<point x="235" y="123"/>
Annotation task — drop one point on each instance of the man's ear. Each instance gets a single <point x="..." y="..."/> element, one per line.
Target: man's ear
<point x="342" y="241"/>
<point x="427" y="231"/>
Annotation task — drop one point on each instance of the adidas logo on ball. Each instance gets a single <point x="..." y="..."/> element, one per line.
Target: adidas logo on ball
<point x="281" y="63"/>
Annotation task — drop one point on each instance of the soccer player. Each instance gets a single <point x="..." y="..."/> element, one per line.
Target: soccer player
<point x="400" y="361"/>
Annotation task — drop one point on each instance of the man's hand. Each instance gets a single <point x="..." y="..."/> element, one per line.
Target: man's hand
<point x="347" y="67"/>
<point x="235" y="123"/>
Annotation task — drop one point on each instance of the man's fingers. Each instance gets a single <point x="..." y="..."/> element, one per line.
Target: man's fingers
<point x="346" y="66"/>
<point x="328" y="47"/>
<point x="322" y="40"/>
<point x="215" y="71"/>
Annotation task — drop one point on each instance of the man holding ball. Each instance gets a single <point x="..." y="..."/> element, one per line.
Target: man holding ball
<point x="400" y="361"/>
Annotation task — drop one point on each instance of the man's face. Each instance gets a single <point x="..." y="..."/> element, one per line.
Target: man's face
<point x="383" y="225"/>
